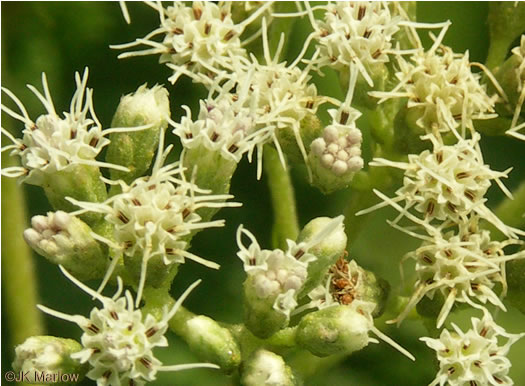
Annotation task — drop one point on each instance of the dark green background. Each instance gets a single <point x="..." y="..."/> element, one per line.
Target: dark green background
<point x="61" y="38"/>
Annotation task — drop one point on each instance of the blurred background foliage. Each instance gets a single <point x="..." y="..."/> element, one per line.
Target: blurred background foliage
<point x="59" y="38"/>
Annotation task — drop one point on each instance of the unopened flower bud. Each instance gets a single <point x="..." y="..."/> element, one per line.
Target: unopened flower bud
<point x="81" y="182"/>
<point x="327" y="250"/>
<point x="66" y="240"/>
<point x="341" y="329"/>
<point x="261" y="316"/>
<point x="337" y="329"/>
<point x="135" y="149"/>
<point x="211" y="342"/>
<point x="48" y="354"/>
<point x="267" y="368"/>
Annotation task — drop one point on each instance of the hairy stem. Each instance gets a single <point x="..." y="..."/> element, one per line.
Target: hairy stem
<point x="285" y="223"/>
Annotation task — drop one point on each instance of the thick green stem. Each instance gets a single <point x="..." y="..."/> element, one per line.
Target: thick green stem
<point x="19" y="282"/>
<point x="205" y="337"/>
<point x="285" y="223"/>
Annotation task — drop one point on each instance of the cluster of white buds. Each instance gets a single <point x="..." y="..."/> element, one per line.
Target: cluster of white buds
<point x="118" y="340"/>
<point x="339" y="149"/>
<point x="155" y="216"/>
<point x="200" y="40"/>
<point x="464" y="266"/>
<point x="476" y="357"/>
<point x="66" y="240"/>
<point x="447" y="183"/>
<point x="354" y="34"/>
<point x="441" y="88"/>
<point x="275" y="274"/>
<point x="336" y="156"/>
<point x="52" y="144"/>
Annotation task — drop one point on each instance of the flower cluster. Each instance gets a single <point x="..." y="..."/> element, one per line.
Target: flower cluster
<point x="354" y="33"/>
<point x="476" y="357"/>
<point x="280" y="275"/>
<point x="441" y="89"/>
<point x="200" y="40"/>
<point x="464" y="266"/>
<point x="118" y="340"/>
<point x="52" y="144"/>
<point x="155" y="216"/>
<point x="228" y="124"/>
<point x="413" y="110"/>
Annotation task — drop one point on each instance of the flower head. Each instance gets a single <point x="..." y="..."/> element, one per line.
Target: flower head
<point x="448" y="183"/>
<point x="118" y="340"/>
<point x="198" y="40"/>
<point x="228" y="123"/>
<point x="476" y="357"/>
<point x="51" y="143"/>
<point x="464" y="266"/>
<point x="278" y="274"/>
<point x="441" y="89"/>
<point x="356" y="33"/>
<point x="155" y="216"/>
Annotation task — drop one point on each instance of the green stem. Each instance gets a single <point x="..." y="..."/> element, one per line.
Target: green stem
<point x="285" y="224"/>
<point x="19" y="282"/>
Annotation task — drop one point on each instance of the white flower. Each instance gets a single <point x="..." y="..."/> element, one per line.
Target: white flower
<point x="441" y="88"/>
<point x="118" y="339"/>
<point x="52" y="144"/>
<point x="156" y="215"/>
<point x="228" y="123"/>
<point x="281" y="93"/>
<point x="465" y="266"/>
<point x="476" y="357"/>
<point x="279" y="274"/>
<point x="199" y="40"/>
<point x="448" y="183"/>
<point x="354" y="34"/>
